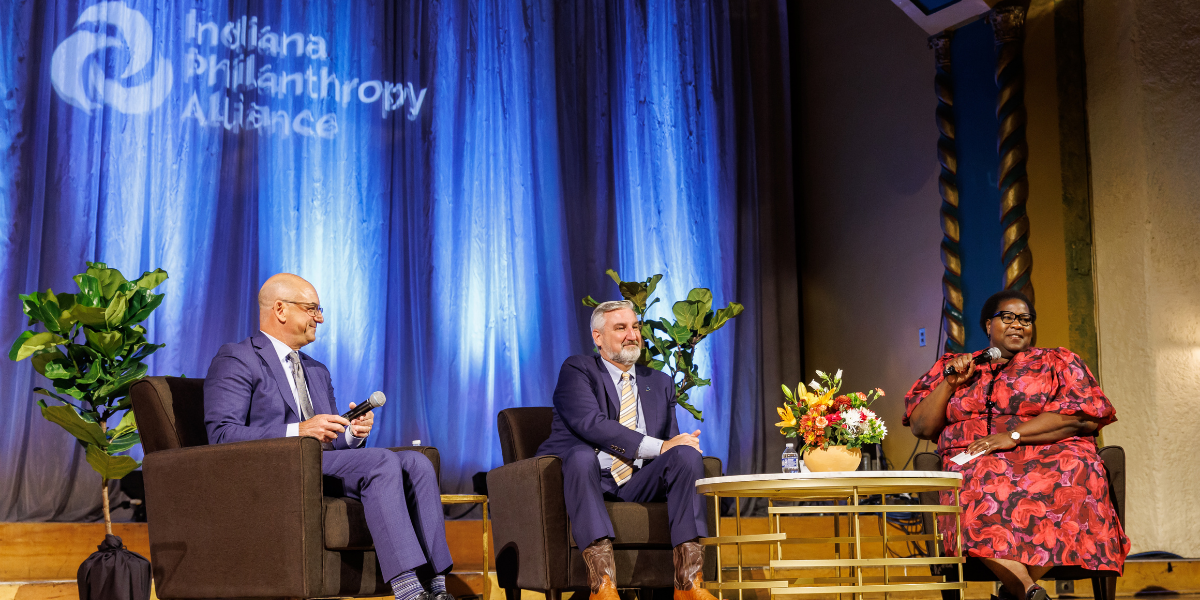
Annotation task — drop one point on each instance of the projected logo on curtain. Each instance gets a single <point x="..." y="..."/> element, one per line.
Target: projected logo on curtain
<point x="220" y="62"/>
<point x="67" y="64"/>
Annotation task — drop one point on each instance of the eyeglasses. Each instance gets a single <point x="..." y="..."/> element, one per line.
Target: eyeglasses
<point x="315" y="309"/>
<point x="1006" y="317"/>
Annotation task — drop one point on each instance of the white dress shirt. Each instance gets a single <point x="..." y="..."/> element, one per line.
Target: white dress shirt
<point x="650" y="447"/>
<point x="293" y="429"/>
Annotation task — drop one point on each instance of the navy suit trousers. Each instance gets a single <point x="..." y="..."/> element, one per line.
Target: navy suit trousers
<point x="403" y="503"/>
<point x="670" y="477"/>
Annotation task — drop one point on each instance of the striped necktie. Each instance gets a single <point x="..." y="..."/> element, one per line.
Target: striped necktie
<point x="622" y="469"/>
<point x="302" y="397"/>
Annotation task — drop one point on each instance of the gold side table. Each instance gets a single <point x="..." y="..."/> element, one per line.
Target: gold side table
<point x="483" y="502"/>
<point x="851" y="487"/>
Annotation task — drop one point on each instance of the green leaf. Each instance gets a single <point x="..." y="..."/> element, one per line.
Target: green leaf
<point x="682" y="400"/>
<point x="108" y="343"/>
<point x="652" y="284"/>
<point x="723" y="316"/>
<point x="92" y="316"/>
<point x="613" y="274"/>
<point x="58" y="370"/>
<point x="67" y="417"/>
<point x="120" y="385"/>
<point x="124" y="442"/>
<point x="41" y="359"/>
<point x="43" y="308"/>
<point x="29" y="343"/>
<point x="110" y="280"/>
<point x="108" y="466"/>
<point x="89" y="289"/>
<point x="128" y="423"/>
<point x="93" y="373"/>
<point x="590" y="302"/>
<point x="704" y="297"/>
<point x="635" y="292"/>
<point x="114" y="315"/>
<point x="687" y="313"/>
<point x="656" y="365"/>
<point x="144" y="312"/>
<point x="150" y="279"/>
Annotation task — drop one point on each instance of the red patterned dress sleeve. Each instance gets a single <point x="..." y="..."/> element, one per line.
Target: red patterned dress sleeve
<point x="923" y="387"/>
<point x="1078" y="391"/>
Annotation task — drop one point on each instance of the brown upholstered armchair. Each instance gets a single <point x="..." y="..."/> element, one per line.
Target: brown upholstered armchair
<point x="1104" y="583"/>
<point x="244" y="520"/>
<point x="534" y="546"/>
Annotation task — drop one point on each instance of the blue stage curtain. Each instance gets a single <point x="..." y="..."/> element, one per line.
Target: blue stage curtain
<point x="450" y="238"/>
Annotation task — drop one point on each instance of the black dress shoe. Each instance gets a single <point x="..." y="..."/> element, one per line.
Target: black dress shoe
<point x="1036" y="592"/>
<point x="449" y="596"/>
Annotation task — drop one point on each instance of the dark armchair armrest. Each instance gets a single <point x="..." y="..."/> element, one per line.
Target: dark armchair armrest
<point x="529" y="523"/>
<point x="259" y="500"/>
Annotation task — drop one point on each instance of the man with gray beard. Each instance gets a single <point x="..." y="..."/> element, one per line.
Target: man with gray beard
<point x="615" y="432"/>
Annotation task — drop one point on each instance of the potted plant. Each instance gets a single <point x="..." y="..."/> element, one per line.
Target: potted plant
<point x="832" y="428"/>
<point x="92" y="349"/>
<point x="673" y="351"/>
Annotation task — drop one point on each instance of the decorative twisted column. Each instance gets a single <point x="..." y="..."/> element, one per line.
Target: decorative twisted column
<point x="952" y="297"/>
<point x="1008" y="25"/>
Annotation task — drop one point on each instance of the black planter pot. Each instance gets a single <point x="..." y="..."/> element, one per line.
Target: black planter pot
<point x="114" y="573"/>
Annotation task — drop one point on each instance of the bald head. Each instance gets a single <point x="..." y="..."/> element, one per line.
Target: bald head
<point x="287" y="309"/>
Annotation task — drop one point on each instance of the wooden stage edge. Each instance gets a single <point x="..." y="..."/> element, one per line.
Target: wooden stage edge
<point x="38" y="561"/>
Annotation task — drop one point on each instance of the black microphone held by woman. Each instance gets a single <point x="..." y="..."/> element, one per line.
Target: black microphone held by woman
<point x="984" y="357"/>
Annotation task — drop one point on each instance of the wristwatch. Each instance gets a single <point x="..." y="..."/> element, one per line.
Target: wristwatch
<point x="1016" y="436"/>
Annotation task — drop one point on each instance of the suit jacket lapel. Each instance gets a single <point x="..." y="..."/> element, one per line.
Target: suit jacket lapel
<point x="613" y="400"/>
<point x="316" y="390"/>
<point x="266" y="351"/>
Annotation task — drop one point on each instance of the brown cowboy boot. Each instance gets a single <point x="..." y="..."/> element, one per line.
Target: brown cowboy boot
<point x="601" y="570"/>
<point x="689" y="577"/>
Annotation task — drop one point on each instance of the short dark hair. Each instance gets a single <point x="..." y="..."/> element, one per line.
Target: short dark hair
<point x="993" y="301"/>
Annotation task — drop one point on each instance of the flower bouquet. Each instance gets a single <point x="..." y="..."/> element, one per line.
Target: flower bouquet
<point x="824" y="419"/>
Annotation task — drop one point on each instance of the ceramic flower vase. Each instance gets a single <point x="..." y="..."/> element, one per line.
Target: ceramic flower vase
<point x="833" y="458"/>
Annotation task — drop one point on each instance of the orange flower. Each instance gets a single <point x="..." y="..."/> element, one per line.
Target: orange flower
<point x="787" y="418"/>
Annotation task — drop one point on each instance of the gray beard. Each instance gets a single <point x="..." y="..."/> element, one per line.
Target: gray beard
<point x="627" y="356"/>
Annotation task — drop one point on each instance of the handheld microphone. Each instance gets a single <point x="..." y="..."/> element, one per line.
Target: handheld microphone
<point x="985" y="357"/>
<point x="375" y="401"/>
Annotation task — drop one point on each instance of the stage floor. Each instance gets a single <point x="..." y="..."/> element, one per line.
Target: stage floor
<point x="38" y="561"/>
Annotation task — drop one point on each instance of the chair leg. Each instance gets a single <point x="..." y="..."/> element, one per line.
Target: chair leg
<point x="1104" y="588"/>
<point x="512" y="593"/>
<point x="552" y="595"/>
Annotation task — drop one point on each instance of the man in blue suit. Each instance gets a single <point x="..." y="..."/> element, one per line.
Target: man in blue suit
<point x="615" y="432"/>
<point x="263" y="387"/>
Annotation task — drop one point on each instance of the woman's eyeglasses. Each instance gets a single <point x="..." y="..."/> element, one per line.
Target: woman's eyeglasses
<point x="1006" y="317"/>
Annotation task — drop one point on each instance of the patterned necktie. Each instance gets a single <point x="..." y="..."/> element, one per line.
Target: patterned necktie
<point x="306" y="407"/>
<point x="622" y="469"/>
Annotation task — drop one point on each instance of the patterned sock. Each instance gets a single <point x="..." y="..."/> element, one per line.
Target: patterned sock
<point x="406" y="586"/>
<point x="438" y="584"/>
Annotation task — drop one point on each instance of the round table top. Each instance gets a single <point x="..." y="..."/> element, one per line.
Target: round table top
<point x="829" y="484"/>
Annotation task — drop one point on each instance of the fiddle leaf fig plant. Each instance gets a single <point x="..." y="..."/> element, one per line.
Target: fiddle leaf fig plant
<point x="671" y="345"/>
<point x="92" y="350"/>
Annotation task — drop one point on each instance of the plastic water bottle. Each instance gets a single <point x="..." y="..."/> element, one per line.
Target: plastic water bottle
<point x="791" y="459"/>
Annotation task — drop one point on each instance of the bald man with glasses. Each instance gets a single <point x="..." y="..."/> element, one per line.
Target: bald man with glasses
<point x="264" y="387"/>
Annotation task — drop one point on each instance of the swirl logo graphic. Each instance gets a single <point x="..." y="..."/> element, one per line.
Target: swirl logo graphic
<point x="81" y="82"/>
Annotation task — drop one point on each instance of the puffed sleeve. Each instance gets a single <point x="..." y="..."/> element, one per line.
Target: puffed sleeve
<point x="924" y="386"/>
<point x="1078" y="392"/>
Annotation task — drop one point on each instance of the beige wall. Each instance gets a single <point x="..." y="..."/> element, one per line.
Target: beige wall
<point x="871" y="272"/>
<point x="1143" y="70"/>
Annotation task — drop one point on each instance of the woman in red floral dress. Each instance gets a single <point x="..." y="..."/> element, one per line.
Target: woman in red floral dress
<point x="1038" y="496"/>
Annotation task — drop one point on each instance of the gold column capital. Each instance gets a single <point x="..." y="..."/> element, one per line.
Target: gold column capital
<point x="1008" y="23"/>
<point x="940" y="44"/>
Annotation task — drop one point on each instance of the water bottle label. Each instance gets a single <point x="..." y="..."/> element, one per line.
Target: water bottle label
<point x="791" y="464"/>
